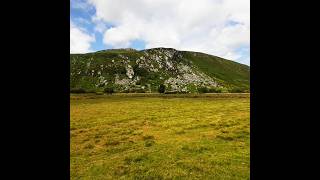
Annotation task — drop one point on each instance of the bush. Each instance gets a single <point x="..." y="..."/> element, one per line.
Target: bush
<point x="108" y="90"/>
<point x="203" y="90"/>
<point x="77" y="90"/>
<point x="162" y="88"/>
<point x="171" y="92"/>
<point x="138" y="71"/>
<point x="237" y="90"/>
<point x="215" y="90"/>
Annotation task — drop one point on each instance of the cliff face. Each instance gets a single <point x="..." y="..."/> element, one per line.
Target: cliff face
<point x="127" y="69"/>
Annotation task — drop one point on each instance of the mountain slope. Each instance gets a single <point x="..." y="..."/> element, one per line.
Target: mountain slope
<point x="128" y="70"/>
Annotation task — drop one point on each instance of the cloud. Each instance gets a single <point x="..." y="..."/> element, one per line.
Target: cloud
<point x="80" y="5"/>
<point x="218" y="27"/>
<point x="80" y="41"/>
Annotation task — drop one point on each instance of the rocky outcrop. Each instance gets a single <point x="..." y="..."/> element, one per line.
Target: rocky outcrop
<point x="147" y="69"/>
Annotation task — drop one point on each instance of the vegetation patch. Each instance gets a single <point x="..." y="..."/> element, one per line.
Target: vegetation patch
<point x="156" y="70"/>
<point x="160" y="136"/>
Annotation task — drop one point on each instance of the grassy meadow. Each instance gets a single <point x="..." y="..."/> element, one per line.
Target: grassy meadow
<point x="155" y="136"/>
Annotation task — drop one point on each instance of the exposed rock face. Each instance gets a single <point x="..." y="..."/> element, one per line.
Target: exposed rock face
<point x="130" y="71"/>
<point x="124" y="81"/>
<point x="146" y="69"/>
<point x="166" y="64"/>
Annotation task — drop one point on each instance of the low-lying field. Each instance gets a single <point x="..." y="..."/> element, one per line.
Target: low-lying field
<point x="160" y="136"/>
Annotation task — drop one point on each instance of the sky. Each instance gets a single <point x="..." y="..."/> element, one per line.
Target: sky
<point x="216" y="27"/>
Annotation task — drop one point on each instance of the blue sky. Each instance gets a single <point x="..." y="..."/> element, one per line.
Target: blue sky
<point x="217" y="27"/>
<point x="82" y="18"/>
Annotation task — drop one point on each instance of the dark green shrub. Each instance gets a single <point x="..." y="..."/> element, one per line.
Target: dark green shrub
<point x="171" y="92"/>
<point x="77" y="90"/>
<point x="108" y="90"/>
<point x="237" y="90"/>
<point x="119" y="70"/>
<point x="162" y="88"/>
<point x="215" y="90"/>
<point x="203" y="90"/>
<point x="138" y="71"/>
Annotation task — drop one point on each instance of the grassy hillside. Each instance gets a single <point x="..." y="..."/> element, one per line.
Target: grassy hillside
<point x="229" y="72"/>
<point x="128" y="70"/>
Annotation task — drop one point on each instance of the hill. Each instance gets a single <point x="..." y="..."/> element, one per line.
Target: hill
<point x="129" y="70"/>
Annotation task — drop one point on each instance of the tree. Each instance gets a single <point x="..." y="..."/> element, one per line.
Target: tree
<point x="162" y="88"/>
<point x="108" y="90"/>
<point x="203" y="90"/>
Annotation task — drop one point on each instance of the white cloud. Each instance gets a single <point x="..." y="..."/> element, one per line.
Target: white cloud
<point x="195" y="25"/>
<point x="80" y="4"/>
<point x="80" y="41"/>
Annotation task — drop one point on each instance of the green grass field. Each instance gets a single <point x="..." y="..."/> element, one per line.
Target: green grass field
<point x="160" y="137"/>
